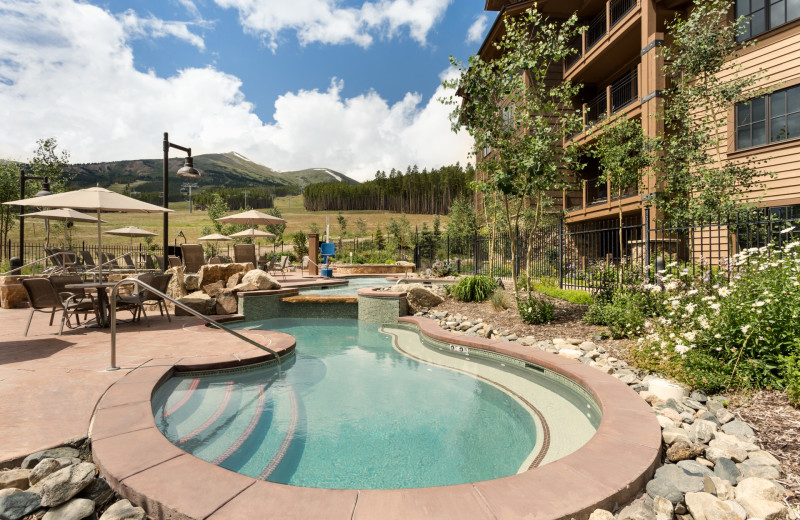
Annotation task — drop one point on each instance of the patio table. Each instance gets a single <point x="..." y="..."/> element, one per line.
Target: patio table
<point x="103" y="318"/>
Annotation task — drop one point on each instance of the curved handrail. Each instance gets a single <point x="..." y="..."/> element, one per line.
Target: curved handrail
<point x="30" y="264"/>
<point x="214" y="323"/>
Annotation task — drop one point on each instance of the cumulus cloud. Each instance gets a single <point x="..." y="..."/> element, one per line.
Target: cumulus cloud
<point x="477" y="30"/>
<point x="327" y="21"/>
<point x="152" y="27"/>
<point x="68" y="71"/>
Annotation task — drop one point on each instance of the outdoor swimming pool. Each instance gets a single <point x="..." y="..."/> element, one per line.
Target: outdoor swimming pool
<point x="362" y="406"/>
<point x="352" y="287"/>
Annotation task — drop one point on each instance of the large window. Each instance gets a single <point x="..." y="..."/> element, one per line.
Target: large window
<point x="766" y="14"/>
<point x="768" y="119"/>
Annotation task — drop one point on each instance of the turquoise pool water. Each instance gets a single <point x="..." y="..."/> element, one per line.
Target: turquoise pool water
<point x="349" y="411"/>
<point x="352" y="287"/>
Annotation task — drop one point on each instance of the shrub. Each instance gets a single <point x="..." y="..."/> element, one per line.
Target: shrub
<point x="444" y="268"/>
<point x="570" y="295"/>
<point x="498" y="300"/>
<point x="536" y="310"/>
<point x="472" y="288"/>
<point x="737" y="334"/>
<point x="791" y="367"/>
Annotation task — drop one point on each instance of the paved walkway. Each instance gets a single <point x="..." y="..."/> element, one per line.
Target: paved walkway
<point x="50" y="384"/>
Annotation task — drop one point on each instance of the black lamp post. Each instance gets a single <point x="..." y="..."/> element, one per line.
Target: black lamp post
<point x="187" y="171"/>
<point x="44" y="191"/>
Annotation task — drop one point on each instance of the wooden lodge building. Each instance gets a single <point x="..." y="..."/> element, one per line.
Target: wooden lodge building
<point x="618" y="63"/>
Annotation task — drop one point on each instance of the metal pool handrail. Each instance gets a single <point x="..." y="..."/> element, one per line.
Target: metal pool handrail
<point x="37" y="261"/>
<point x="214" y="323"/>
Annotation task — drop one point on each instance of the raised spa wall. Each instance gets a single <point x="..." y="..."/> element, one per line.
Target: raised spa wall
<point x="370" y="305"/>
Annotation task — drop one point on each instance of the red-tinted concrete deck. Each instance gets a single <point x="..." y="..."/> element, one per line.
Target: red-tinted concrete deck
<point x="51" y="386"/>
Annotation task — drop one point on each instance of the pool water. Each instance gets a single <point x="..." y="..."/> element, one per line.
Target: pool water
<point x="352" y="287"/>
<point x="348" y="411"/>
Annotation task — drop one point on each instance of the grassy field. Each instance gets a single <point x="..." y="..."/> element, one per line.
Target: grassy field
<point x="192" y="224"/>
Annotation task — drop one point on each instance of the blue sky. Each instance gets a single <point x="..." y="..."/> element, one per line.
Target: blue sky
<point x="346" y="84"/>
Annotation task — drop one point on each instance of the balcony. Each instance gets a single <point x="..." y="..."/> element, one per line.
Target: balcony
<point x="599" y="26"/>
<point x="575" y="57"/>
<point x="596" y="109"/>
<point x="595" y="193"/>
<point x="596" y="30"/>
<point x="624" y="91"/>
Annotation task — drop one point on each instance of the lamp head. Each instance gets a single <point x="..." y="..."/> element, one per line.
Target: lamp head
<point x="188" y="171"/>
<point x="45" y="188"/>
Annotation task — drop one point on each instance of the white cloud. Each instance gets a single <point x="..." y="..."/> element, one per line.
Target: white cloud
<point x="325" y="21"/>
<point x="67" y="71"/>
<point x="191" y="8"/>
<point x="477" y="31"/>
<point x="152" y="27"/>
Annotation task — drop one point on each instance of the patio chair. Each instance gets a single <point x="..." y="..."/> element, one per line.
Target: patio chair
<point x="134" y="302"/>
<point x="160" y="283"/>
<point x="88" y="261"/>
<point x="174" y="261"/>
<point x="149" y="261"/>
<point x="129" y="261"/>
<point x="269" y="266"/>
<point x="215" y="260"/>
<point x="193" y="257"/>
<point x="244" y="253"/>
<point x="78" y="296"/>
<point x="283" y="266"/>
<point x="44" y="298"/>
<point x="109" y="261"/>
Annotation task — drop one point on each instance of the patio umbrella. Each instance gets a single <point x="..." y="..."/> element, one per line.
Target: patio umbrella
<point x="131" y="231"/>
<point x="252" y="218"/>
<point x="97" y="199"/>
<point x="216" y="237"/>
<point x="65" y="214"/>
<point x="251" y="233"/>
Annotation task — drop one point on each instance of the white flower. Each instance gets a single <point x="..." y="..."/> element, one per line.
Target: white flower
<point x="690" y="335"/>
<point x="718" y="335"/>
<point x="681" y="349"/>
<point x="745" y="329"/>
<point x="759" y="304"/>
<point x="692" y="292"/>
<point x="723" y="291"/>
<point x="787" y="230"/>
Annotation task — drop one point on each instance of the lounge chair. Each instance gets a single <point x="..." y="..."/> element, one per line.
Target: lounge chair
<point x="88" y="261"/>
<point x="109" y="261"/>
<point x="149" y="262"/>
<point x="44" y="298"/>
<point x="129" y="261"/>
<point x="193" y="257"/>
<point x="283" y="266"/>
<point x="174" y="261"/>
<point x="244" y="253"/>
<point x="160" y="283"/>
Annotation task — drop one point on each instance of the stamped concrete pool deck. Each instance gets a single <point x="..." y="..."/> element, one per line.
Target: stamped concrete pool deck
<point x="55" y="389"/>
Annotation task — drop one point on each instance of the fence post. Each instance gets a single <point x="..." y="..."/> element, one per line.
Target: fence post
<point x="515" y="270"/>
<point x="475" y="252"/>
<point x="561" y="252"/>
<point x="647" y="242"/>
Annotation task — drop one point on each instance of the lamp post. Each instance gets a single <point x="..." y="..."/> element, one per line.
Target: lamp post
<point x="187" y="171"/>
<point x="44" y="191"/>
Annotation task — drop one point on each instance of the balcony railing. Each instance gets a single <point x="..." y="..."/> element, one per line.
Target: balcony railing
<point x="619" y="8"/>
<point x="596" y="109"/>
<point x="624" y="91"/>
<point x="594" y="193"/>
<point x="596" y="30"/>
<point x="573" y="58"/>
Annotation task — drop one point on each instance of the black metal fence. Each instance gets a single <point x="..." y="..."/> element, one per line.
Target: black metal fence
<point x="36" y="250"/>
<point x="593" y="254"/>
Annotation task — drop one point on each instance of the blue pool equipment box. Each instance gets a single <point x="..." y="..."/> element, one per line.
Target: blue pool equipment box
<point x="327" y="250"/>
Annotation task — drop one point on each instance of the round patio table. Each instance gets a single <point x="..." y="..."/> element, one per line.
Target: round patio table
<point x="103" y="319"/>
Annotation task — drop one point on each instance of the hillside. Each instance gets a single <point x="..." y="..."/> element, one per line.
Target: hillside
<point x="230" y="170"/>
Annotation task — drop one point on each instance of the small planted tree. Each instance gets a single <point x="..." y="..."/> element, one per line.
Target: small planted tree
<point x="512" y="108"/>
<point x="696" y="180"/>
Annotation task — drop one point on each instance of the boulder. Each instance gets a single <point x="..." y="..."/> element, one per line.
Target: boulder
<point x="49" y="466"/>
<point x="705" y="506"/>
<point x="198" y="301"/>
<point x="663" y="508"/>
<point x="227" y="302"/>
<point x="66" y="483"/>
<point x="212" y="273"/>
<point x="601" y="514"/>
<point x="53" y="453"/>
<point x="694" y="468"/>
<point x="726" y="469"/>
<point x="682" y="450"/>
<point x="257" y="280"/>
<point x="760" y="488"/>
<point x="739" y="429"/>
<point x="176" y="288"/>
<point x="421" y="298"/>
<point x="637" y="511"/>
<point x="763" y="458"/>
<point x="234" y="280"/>
<point x="123" y="510"/>
<point x="702" y="431"/>
<point x="213" y="289"/>
<point x="16" y="506"/>
<point x="191" y="281"/>
<point x="15" y="478"/>
<point x="671" y="435"/>
<point x="9" y="491"/>
<point x="75" y="509"/>
<point x="749" y="469"/>
<point x="763" y="509"/>
<point x="737" y="508"/>
<point x="98" y="492"/>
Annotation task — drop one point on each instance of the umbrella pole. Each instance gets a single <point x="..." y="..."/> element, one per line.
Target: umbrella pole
<point x="99" y="249"/>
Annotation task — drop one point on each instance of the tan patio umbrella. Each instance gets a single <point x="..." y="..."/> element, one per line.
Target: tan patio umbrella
<point x="130" y="231"/>
<point x="97" y="199"/>
<point x="252" y="218"/>
<point x="216" y="237"/>
<point x="64" y="214"/>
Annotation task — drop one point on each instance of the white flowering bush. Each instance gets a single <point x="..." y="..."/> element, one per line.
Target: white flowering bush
<point x="744" y="332"/>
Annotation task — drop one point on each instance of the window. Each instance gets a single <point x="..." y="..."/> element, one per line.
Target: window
<point x="508" y="119"/>
<point x="768" y="119"/>
<point x="764" y="15"/>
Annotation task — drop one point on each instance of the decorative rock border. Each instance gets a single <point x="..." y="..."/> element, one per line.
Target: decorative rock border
<point x="607" y="471"/>
<point x="712" y="465"/>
